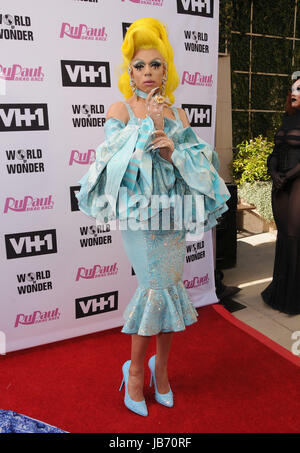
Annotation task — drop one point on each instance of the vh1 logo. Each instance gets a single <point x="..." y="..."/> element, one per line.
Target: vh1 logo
<point x="23" y="117"/>
<point x="31" y="243"/>
<point x="203" y="8"/>
<point x="96" y="304"/>
<point x="199" y="115"/>
<point x="85" y="73"/>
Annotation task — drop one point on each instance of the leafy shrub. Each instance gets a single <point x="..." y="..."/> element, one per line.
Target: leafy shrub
<point x="250" y="172"/>
<point x="259" y="194"/>
<point x="250" y="161"/>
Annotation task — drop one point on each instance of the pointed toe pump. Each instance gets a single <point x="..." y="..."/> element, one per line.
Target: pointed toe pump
<point x="139" y="407"/>
<point x="166" y="399"/>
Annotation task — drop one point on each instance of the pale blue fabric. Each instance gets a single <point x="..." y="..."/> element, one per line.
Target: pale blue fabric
<point x="12" y="422"/>
<point x="160" y="302"/>
<point x="120" y="184"/>
<point x="124" y="161"/>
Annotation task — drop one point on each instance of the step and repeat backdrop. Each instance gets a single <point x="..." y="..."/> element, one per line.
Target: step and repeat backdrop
<point x="61" y="275"/>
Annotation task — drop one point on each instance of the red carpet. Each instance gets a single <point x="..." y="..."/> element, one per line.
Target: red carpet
<point x="226" y="377"/>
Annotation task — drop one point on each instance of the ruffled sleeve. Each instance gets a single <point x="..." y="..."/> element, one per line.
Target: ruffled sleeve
<point x="99" y="192"/>
<point x="189" y="185"/>
<point x="127" y="175"/>
<point x="94" y="181"/>
<point x="196" y="165"/>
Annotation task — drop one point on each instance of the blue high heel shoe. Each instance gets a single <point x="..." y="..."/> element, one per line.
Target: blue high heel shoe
<point x="166" y="399"/>
<point x="139" y="407"/>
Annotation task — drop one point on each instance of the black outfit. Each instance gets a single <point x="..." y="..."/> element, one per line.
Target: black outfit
<point x="283" y="293"/>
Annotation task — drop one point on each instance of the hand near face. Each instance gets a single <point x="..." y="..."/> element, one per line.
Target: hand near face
<point x="155" y="109"/>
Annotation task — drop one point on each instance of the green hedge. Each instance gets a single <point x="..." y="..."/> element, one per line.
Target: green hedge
<point x="249" y="169"/>
<point x="269" y="55"/>
<point x="253" y="132"/>
<point x="259" y="194"/>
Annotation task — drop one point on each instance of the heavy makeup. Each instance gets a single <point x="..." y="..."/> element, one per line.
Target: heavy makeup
<point x="147" y="69"/>
<point x="295" y="96"/>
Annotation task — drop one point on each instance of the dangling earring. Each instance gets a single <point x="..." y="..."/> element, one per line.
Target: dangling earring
<point x="131" y="82"/>
<point x="164" y="79"/>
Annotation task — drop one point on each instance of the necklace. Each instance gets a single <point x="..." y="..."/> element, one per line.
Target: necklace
<point x="141" y="93"/>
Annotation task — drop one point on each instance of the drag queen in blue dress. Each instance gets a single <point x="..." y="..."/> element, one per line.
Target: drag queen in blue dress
<point x="159" y="180"/>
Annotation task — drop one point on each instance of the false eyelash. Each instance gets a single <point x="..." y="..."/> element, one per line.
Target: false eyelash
<point x="138" y="66"/>
<point x="156" y="65"/>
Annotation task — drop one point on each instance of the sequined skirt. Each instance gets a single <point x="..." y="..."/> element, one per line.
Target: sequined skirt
<point x="160" y="302"/>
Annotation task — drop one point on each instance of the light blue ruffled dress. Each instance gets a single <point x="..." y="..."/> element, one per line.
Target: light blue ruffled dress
<point x="12" y="422"/>
<point x="125" y="182"/>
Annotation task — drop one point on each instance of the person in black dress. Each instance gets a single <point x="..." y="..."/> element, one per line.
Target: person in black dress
<point x="283" y="293"/>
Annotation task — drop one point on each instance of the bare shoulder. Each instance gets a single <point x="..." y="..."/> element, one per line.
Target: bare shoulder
<point x="183" y="117"/>
<point x="119" y="111"/>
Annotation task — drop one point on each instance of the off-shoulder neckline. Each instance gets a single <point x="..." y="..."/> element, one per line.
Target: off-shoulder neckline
<point x="142" y="119"/>
<point x="174" y="121"/>
<point x="115" y="119"/>
<point x="133" y="117"/>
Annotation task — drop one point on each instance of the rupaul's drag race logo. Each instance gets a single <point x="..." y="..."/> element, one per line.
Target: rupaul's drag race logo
<point x="196" y="282"/>
<point x="18" y="73"/>
<point x="28" y="203"/>
<point x="146" y="2"/>
<point x="37" y="317"/>
<point x="82" y="158"/>
<point x="96" y="271"/>
<point x="197" y="78"/>
<point x="83" y="31"/>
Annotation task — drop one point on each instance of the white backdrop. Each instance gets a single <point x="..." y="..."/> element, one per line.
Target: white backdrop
<point x="61" y="276"/>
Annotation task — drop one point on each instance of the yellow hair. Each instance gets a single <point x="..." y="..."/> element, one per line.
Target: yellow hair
<point x="147" y="33"/>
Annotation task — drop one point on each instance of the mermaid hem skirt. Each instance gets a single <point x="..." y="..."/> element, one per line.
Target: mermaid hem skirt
<point x="283" y="293"/>
<point x="152" y="311"/>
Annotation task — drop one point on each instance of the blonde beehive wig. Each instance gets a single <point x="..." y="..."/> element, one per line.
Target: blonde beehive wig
<point x="147" y="33"/>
